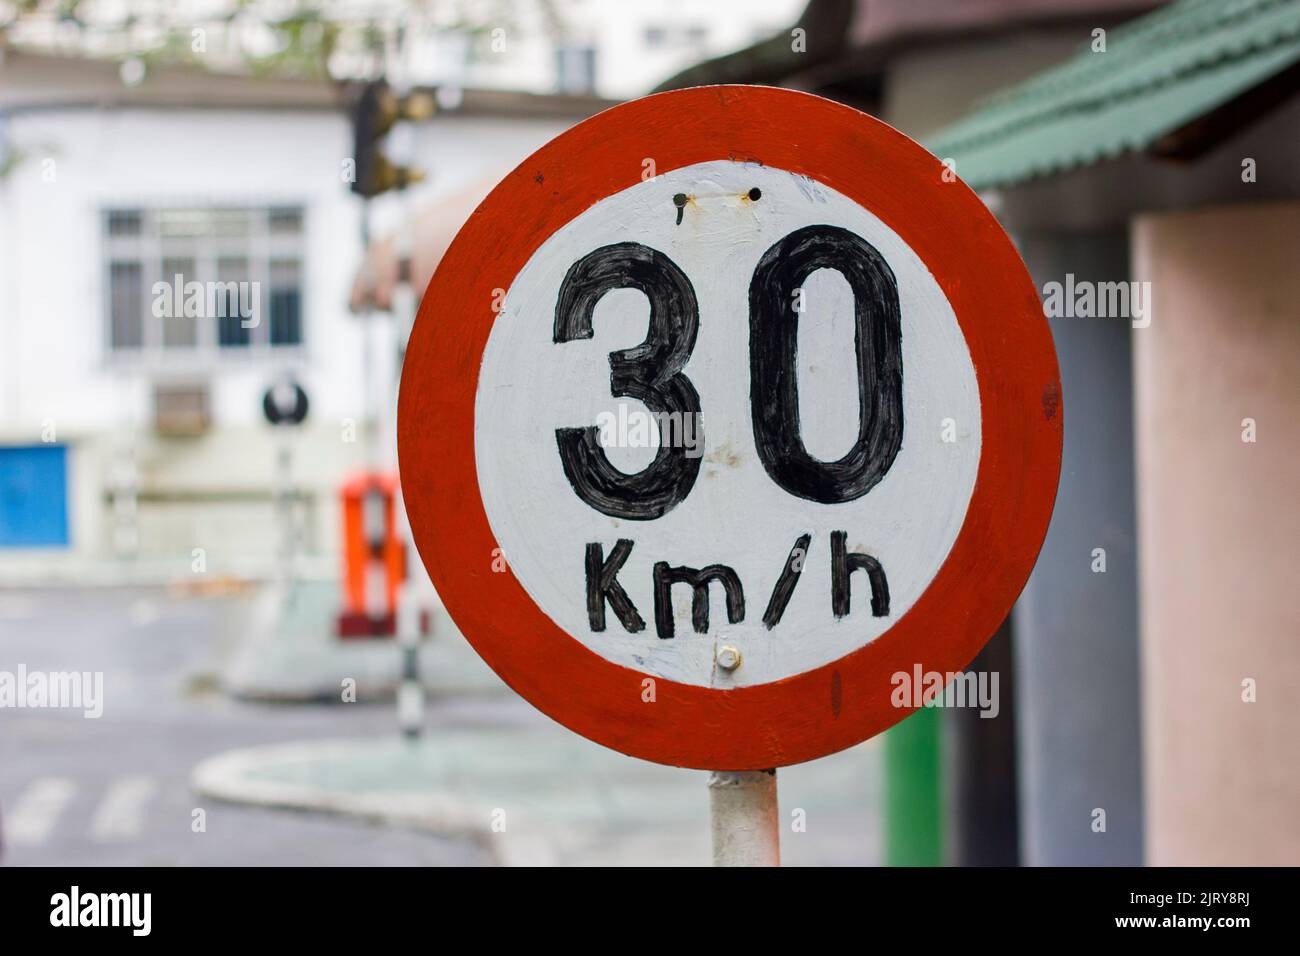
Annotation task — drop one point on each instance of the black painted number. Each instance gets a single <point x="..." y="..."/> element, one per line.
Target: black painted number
<point x="649" y="373"/>
<point x="774" y="385"/>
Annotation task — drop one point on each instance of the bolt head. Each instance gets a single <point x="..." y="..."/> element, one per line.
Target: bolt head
<point x="728" y="657"/>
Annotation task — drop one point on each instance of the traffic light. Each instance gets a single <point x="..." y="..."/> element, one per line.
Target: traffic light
<point x="375" y="111"/>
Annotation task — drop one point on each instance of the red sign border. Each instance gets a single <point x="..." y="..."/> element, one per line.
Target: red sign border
<point x="848" y="700"/>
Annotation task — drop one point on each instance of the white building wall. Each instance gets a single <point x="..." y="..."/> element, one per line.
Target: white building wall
<point x="56" y="370"/>
<point x="160" y="159"/>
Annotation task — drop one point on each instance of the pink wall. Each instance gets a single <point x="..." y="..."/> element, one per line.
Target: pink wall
<point x="1219" y="533"/>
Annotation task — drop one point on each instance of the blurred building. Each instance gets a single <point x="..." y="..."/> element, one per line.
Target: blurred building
<point x="1166" y="162"/>
<point x="131" y="419"/>
<point x="918" y="64"/>
<point x="593" y="46"/>
<point x="539" y="46"/>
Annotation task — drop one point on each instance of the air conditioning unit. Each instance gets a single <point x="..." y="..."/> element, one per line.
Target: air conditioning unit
<point x="181" y="410"/>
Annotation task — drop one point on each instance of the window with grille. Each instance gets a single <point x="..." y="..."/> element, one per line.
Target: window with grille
<point x="206" y="283"/>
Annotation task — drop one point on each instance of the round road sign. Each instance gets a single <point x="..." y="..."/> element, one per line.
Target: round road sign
<point x="725" y="409"/>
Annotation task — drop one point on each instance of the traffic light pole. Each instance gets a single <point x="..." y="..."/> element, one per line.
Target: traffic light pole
<point x="370" y="408"/>
<point x="376" y="108"/>
<point x="410" y="690"/>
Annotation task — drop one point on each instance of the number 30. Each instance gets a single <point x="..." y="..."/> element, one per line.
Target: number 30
<point x="652" y="371"/>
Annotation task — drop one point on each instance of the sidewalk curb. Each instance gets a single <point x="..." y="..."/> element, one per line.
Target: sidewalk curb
<point x="226" y="777"/>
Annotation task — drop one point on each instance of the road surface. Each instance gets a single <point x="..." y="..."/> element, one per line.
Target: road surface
<point x="115" y="790"/>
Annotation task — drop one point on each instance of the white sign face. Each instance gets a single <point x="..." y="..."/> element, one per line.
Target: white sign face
<point x="809" y="525"/>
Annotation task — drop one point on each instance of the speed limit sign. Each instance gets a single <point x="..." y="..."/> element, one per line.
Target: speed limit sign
<point x="723" y="409"/>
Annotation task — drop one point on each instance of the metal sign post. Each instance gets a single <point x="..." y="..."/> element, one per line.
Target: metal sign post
<point x="284" y="508"/>
<point x="745" y="819"/>
<point x="706" y="427"/>
<point x="285" y="406"/>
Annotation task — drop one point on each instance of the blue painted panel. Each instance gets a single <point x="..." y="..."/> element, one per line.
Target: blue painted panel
<point x="34" y="496"/>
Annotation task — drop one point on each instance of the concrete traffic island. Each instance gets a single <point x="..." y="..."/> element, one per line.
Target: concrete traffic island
<point x="291" y="654"/>
<point x="540" y="795"/>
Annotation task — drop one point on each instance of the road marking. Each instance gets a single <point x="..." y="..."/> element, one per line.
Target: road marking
<point x="37" y="810"/>
<point x="120" y="815"/>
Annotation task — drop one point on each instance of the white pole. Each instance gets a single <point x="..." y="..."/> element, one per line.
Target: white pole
<point x="284" y="508"/>
<point x="746" y="827"/>
<point x="365" y="318"/>
<point x="410" y="692"/>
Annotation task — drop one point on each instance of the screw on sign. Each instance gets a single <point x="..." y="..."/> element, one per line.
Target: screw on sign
<point x="752" y="436"/>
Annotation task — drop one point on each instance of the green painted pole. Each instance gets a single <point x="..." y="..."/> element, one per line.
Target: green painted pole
<point x="913" y="797"/>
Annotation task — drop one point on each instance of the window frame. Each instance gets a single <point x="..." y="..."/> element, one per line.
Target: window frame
<point x="150" y="248"/>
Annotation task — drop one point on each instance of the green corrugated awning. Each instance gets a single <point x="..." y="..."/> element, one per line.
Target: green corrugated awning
<point x="1158" y="74"/>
